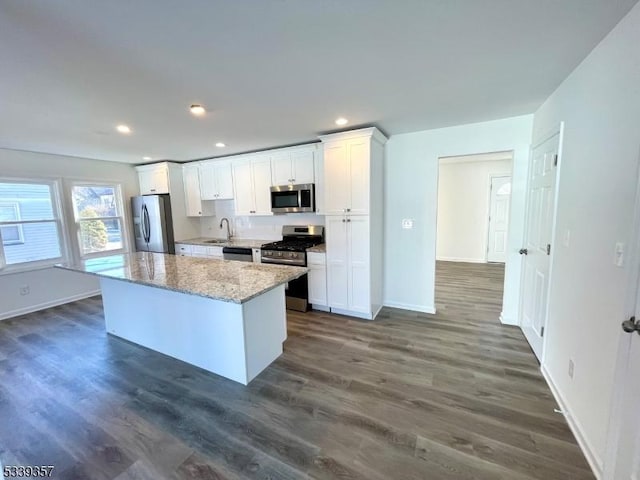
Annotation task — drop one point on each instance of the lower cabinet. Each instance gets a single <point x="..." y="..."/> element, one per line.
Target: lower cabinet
<point x="317" y="280"/>
<point x="188" y="250"/>
<point x="348" y="265"/>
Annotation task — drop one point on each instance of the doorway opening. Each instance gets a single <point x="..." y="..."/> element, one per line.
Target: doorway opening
<point x="474" y="198"/>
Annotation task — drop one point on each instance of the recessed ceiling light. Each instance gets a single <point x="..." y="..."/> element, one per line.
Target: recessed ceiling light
<point x="146" y="158"/>
<point x="123" y="129"/>
<point x="341" y="121"/>
<point x="220" y="145"/>
<point x="197" y="109"/>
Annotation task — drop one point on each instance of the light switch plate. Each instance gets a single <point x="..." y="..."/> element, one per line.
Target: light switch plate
<point x="619" y="255"/>
<point x="407" y="223"/>
<point x="567" y="238"/>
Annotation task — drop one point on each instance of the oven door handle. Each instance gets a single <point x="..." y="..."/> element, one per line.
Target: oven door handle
<point x="284" y="261"/>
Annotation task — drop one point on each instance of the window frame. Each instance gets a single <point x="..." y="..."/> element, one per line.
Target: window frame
<point x="58" y="219"/>
<point x="121" y="218"/>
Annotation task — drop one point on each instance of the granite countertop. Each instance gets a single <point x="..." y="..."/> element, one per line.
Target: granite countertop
<point x="234" y="242"/>
<point x="225" y="280"/>
<point x="322" y="248"/>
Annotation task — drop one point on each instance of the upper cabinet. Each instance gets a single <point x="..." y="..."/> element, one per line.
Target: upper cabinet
<point x="192" y="192"/>
<point x="154" y="179"/>
<point x="216" y="180"/>
<point x="347" y="174"/>
<point x="293" y="166"/>
<point x="252" y="185"/>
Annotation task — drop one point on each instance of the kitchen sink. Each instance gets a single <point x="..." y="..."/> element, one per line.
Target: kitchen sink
<point x="215" y="242"/>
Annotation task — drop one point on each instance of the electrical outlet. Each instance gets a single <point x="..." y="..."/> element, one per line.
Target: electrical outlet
<point x="25" y="290"/>
<point x="571" y="368"/>
<point x="407" y="223"/>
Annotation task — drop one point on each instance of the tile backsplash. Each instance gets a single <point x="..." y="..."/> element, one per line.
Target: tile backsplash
<point x="260" y="228"/>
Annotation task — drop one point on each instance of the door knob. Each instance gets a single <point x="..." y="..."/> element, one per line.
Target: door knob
<point x="631" y="325"/>
<point x="523" y="251"/>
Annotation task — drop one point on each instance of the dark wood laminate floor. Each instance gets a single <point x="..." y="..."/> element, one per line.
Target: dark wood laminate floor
<point x="410" y="396"/>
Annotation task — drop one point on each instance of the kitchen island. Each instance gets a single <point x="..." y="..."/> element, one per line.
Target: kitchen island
<point x="223" y="316"/>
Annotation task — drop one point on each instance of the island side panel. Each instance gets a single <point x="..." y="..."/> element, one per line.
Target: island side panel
<point x="265" y="320"/>
<point x="200" y="331"/>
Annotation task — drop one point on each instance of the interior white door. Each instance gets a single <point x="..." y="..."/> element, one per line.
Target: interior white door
<point x="623" y="448"/>
<point x="537" y="248"/>
<point x="498" y="219"/>
<point x="628" y="451"/>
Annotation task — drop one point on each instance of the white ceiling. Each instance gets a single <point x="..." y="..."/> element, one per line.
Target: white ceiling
<point x="275" y="72"/>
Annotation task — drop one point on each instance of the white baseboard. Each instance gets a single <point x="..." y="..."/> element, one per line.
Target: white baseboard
<point x="413" y="308"/>
<point x="508" y="320"/>
<point x="460" y="259"/>
<point x="53" y="303"/>
<point x="349" y="313"/>
<point x="594" y="460"/>
<point x="322" y="308"/>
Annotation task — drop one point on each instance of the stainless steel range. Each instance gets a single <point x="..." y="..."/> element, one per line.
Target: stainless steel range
<point x="292" y="250"/>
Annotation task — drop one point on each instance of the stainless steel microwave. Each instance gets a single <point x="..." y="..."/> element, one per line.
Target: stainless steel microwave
<point x="293" y="198"/>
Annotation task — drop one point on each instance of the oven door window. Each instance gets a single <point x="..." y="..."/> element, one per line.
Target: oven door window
<point x="284" y="199"/>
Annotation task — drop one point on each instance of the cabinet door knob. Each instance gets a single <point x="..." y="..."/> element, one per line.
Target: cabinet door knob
<point x="343" y="220"/>
<point x="348" y="209"/>
<point x="348" y="219"/>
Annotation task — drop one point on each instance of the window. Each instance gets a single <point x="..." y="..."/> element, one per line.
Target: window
<point x="30" y="225"/>
<point x="98" y="214"/>
<point x="11" y="234"/>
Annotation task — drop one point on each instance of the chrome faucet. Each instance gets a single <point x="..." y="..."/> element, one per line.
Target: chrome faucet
<point x="225" y="219"/>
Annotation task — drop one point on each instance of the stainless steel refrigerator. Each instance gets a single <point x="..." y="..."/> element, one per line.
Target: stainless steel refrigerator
<point x="152" y="223"/>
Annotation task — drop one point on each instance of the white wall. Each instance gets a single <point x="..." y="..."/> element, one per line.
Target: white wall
<point x="411" y="182"/>
<point x="463" y="208"/>
<point x="600" y="105"/>
<point x="51" y="286"/>
<point x="258" y="228"/>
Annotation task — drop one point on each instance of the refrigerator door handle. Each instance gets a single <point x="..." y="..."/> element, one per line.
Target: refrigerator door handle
<point x="147" y="225"/>
<point x="142" y="231"/>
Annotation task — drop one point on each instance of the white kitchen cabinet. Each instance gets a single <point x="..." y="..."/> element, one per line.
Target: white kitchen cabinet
<point x="199" y="251"/>
<point x="154" y="179"/>
<point x="194" y="205"/>
<point x="348" y="263"/>
<point x="188" y="250"/>
<point x="183" y="249"/>
<point x="293" y="166"/>
<point x="317" y="280"/>
<point x="216" y="180"/>
<point x="252" y="184"/>
<point x="347" y="176"/>
<point x="168" y="178"/>
<point x="353" y="163"/>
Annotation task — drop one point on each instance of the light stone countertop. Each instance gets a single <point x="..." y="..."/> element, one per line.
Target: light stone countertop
<point x="234" y="242"/>
<point x="224" y="280"/>
<point x="322" y="248"/>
